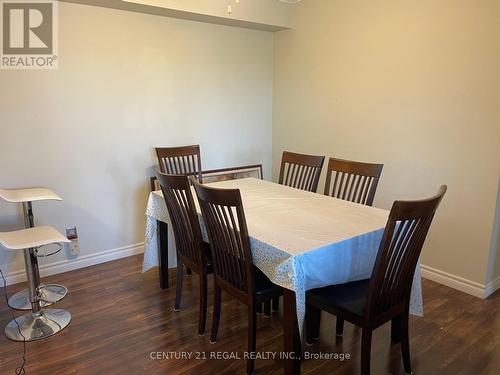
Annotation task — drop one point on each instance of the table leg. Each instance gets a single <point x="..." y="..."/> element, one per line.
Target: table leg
<point x="163" y="254"/>
<point x="291" y="334"/>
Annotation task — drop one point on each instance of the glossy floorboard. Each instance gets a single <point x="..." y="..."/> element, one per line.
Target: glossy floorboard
<point x="120" y="317"/>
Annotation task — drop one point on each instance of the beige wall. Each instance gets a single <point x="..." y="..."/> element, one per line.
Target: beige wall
<point x="412" y="84"/>
<point x="127" y="82"/>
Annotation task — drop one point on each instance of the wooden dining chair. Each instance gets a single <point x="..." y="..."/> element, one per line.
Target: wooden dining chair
<point x="224" y="218"/>
<point x="386" y="295"/>
<point x="300" y="171"/>
<point x="232" y="173"/>
<point x="180" y="160"/>
<point x="352" y="180"/>
<point x="191" y="250"/>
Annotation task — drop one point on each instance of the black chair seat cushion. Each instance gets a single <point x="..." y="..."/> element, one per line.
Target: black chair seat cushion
<point x="345" y="297"/>
<point x="264" y="286"/>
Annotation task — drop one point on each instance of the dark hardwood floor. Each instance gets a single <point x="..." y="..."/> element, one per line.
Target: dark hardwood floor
<point x="120" y="317"/>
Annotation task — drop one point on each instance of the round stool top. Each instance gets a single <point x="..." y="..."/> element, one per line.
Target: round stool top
<point x="31" y="237"/>
<point x="28" y="195"/>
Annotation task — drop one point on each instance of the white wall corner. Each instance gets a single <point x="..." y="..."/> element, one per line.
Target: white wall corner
<point x="491" y="287"/>
<point x="493" y="273"/>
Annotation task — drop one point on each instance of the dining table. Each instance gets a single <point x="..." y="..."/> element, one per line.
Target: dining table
<point x="299" y="239"/>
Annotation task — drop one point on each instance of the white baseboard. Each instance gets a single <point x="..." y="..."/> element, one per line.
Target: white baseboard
<point x="18" y="276"/>
<point x="459" y="283"/>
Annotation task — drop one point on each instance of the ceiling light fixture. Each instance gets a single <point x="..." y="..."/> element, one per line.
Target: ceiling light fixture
<point x="230" y="8"/>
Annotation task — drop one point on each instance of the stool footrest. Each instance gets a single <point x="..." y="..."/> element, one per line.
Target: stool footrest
<point x="37" y="326"/>
<point x="48" y="294"/>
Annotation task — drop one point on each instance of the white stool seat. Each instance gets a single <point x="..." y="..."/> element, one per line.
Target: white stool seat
<point x="28" y="195"/>
<point x="31" y="237"/>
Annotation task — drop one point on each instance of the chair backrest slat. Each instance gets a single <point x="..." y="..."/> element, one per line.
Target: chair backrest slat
<point x="222" y="211"/>
<point x="300" y="171"/>
<point x="184" y="160"/>
<point x="176" y="190"/>
<point x="404" y="236"/>
<point x="353" y="181"/>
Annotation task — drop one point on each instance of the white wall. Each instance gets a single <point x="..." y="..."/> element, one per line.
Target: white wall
<point x="411" y="84"/>
<point x="493" y="276"/>
<point x="128" y="82"/>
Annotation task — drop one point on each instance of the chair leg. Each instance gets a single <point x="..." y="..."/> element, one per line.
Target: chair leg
<point x="366" y="345"/>
<point x="252" y="332"/>
<point x="178" y="288"/>
<point x="313" y="318"/>
<point x="258" y="308"/>
<point x="276" y="304"/>
<point x="405" y="343"/>
<point x="203" y="304"/>
<point x="216" y="317"/>
<point x="267" y="308"/>
<point x="339" y="329"/>
<point x="396" y="330"/>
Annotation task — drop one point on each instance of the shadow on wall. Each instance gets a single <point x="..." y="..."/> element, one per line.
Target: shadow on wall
<point x="11" y="218"/>
<point x="135" y="199"/>
<point x="12" y="261"/>
<point x="493" y="275"/>
<point x="95" y="235"/>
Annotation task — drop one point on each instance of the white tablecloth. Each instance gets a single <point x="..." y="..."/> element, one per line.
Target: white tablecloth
<point x="300" y="240"/>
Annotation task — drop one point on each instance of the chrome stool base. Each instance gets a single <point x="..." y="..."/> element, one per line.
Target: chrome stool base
<point x="37" y="326"/>
<point x="49" y="294"/>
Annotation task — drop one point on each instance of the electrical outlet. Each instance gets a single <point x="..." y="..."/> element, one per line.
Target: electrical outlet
<point x="74" y="248"/>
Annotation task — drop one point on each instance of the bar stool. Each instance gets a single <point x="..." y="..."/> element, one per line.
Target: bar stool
<point x="48" y="293"/>
<point x="39" y="323"/>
